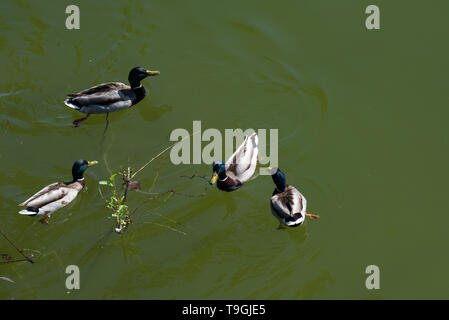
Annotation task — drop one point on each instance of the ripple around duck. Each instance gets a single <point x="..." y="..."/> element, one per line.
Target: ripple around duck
<point x="5" y="94"/>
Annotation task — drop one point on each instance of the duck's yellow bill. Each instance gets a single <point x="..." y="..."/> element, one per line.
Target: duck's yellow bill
<point x="214" y="178"/>
<point x="153" y="73"/>
<point x="91" y="163"/>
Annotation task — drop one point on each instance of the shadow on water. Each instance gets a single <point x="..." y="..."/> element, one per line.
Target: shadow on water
<point x="153" y="113"/>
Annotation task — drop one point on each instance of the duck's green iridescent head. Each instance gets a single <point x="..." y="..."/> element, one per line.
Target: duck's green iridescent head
<point x="279" y="179"/>
<point x="79" y="167"/>
<point x="137" y="74"/>
<point x="218" y="171"/>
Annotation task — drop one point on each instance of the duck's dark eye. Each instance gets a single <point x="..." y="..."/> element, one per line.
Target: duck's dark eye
<point x="216" y="167"/>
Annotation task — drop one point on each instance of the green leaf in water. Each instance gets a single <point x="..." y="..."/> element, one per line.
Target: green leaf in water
<point x="112" y="177"/>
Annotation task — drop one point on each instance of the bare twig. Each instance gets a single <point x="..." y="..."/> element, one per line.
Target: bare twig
<point x="195" y="176"/>
<point x="12" y="261"/>
<point x="168" y="227"/>
<point x="154" y="181"/>
<point x="129" y="184"/>
<point x="19" y="250"/>
<point x="161" y="153"/>
<point x="172" y="191"/>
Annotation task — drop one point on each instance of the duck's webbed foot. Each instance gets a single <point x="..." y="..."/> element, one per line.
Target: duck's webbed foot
<point x="77" y="122"/>
<point x="45" y="219"/>
<point x="312" y="216"/>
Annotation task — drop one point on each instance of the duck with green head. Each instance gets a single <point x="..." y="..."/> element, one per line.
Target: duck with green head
<point x="110" y="97"/>
<point x="58" y="194"/>
<point x="287" y="204"/>
<point x="239" y="168"/>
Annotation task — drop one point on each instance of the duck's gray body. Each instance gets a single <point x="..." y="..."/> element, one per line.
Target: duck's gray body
<point x="105" y="98"/>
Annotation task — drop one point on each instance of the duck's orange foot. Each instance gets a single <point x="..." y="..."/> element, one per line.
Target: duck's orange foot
<point x="312" y="216"/>
<point x="45" y="219"/>
<point x="77" y="122"/>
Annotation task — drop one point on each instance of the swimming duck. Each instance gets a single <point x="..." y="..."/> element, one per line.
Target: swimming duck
<point x="287" y="204"/>
<point x="239" y="168"/>
<point x="58" y="194"/>
<point x="110" y="97"/>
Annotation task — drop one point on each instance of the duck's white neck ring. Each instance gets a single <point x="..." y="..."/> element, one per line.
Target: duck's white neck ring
<point x="137" y="87"/>
<point x="223" y="179"/>
<point x="82" y="179"/>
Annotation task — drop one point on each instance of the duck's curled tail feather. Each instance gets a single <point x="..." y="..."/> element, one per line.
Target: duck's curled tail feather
<point x="29" y="211"/>
<point x="68" y="103"/>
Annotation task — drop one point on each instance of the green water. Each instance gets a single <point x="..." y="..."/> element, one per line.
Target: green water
<point x="362" y="118"/>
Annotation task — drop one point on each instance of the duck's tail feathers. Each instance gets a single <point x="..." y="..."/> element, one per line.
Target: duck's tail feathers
<point x="254" y="139"/>
<point x="29" y="212"/>
<point x="68" y="103"/>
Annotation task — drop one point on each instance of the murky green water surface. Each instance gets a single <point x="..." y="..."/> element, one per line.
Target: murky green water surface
<point x="362" y="118"/>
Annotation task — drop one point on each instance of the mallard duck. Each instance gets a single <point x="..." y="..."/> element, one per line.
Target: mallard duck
<point x="287" y="204"/>
<point x="58" y="194"/>
<point x="110" y="97"/>
<point x="240" y="166"/>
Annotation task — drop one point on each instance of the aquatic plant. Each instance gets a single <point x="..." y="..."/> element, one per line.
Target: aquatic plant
<point x="116" y="202"/>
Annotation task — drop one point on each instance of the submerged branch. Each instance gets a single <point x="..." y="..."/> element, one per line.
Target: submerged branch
<point x="196" y="176"/>
<point x="12" y="261"/>
<point x="19" y="250"/>
<point x="168" y="227"/>
<point x="118" y="198"/>
<point x="162" y="152"/>
<point x="172" y="191"/>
